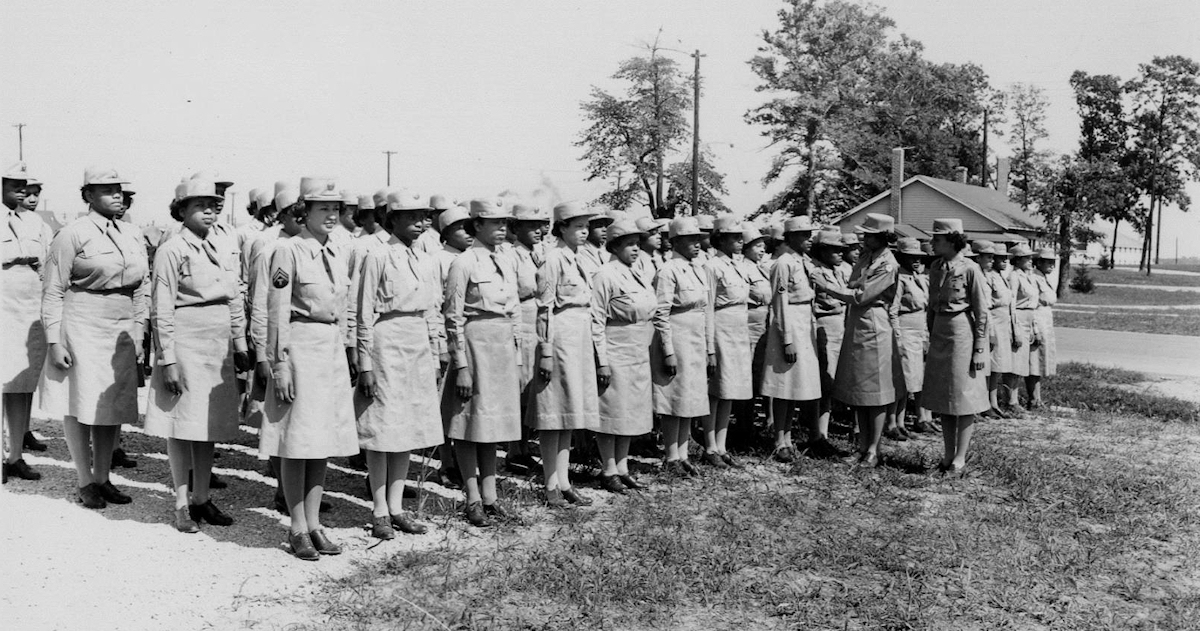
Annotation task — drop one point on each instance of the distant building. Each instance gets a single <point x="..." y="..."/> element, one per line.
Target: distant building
<point x="986" y="213"/>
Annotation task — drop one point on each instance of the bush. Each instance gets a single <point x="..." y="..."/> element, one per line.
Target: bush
<point x="1104" y="262"/>
<point x="1082" y="280"/>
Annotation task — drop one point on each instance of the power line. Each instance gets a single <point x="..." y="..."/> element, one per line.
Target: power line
<point x="389" y="166"/>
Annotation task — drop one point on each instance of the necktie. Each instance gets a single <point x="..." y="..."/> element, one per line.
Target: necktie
<point x="327" y="258"/>
<point x="210" y="250"/>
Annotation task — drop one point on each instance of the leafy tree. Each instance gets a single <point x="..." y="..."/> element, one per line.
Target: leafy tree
<point x="1166" y="134"/>
<point x="846" y="94"/>
<point x="1027" y="107"/>
<point x="712" y="184"/>
<point x="629" y="136"/>
<point x="817" y="61"/>
<point x="1104" y="141"/>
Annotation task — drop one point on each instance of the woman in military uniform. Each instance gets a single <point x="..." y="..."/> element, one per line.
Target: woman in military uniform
<point x="400" y="340"/>
<point x="623" y="303"/>
<point x="309" y="411"/>
<point x="733" y="373"/>
<point x="198" y="312"/>
<point x="1043" y="359"/>
<point x="482" y="395"/>
<point x="955" y="373"/>
<point x="680" y="353"/>
<point x="564" y="391"/>
<point x="912" y="298"/>
<point x="869" y="376"/>
<point x="94" y="307"/>
<point x="26" y="240"/>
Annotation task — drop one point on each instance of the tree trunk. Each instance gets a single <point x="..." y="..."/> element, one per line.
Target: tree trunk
<point x="1112" y="254"/>
<point x="1158" y="234"/>
<point x="1064" y="253"/>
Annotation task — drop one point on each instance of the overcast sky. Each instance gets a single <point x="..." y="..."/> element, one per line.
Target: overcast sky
<point x="475" y="98"/>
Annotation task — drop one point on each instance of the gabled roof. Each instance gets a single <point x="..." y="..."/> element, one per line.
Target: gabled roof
<point x="988" y="202"/>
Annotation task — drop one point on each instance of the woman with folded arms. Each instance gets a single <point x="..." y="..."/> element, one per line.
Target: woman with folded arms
<point x="199" y="318"/>
<point x="94" y="305"/>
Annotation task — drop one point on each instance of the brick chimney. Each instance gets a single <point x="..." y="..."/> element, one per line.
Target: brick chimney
<point x="895" y="207"/>
<point x="960" y="175"/>
<point x="1002" y="176"/>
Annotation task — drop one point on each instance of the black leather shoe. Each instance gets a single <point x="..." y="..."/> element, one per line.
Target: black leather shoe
<point x="410" y="526"/>
<point x="31" y="443"/>
<point x="323" y="544"/>
<point x="629" y="482"/>
<point x="112" y="494"/>
<point x="476" y="516"/>
<point x="20" y="469"/>
<point x="783" y="454"/>
<point x="497" y="510"/>
<point x="184" y="522"/>
<point x="302" y="546"/>
<point x="325" y="506"/>
<point x="675" y="467"/>
<point x="450" y="478"/>
<point x="574" y="497"/>
<point x="210" y="513"/>
<point x="91" y="497"/>
<point x="410" y="492"/>
<point x="381" y="528"/>
<point x="612" y="484"/>
<point x="894" y="434"/>
<point x="216" y="483"/>
<point x="714" y="459"/>
<point x="690" y="469"/>
<point x="121" y="459"/>
<point x="280" y="502"/>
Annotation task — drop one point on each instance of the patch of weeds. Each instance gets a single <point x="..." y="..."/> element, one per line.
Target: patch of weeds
<point x="1090" y="387"/>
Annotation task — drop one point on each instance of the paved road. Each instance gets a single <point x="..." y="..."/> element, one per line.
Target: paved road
<point x="1158" y="287"/>
<point x="1149" y="353"/>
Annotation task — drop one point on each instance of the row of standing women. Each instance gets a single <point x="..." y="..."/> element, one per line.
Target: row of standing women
<point x="475" y="338"/>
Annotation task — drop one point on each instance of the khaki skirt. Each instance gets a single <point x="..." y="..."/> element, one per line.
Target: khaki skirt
<point x="1020" y="356"/>
<point x="830" y="331"/>
<point x="868" y="371"/>
<point x="493" y="413"/>
<point x="1002" y="329"/>
<point x="405" y="414"/>
<point x="100" y="387"/>
<point x="912" y="342"/>
<point x="319" y="422"/>
<point x="527" y="340"/>
<point x="684" y="394"/>
<point x="733" y="378"/>
<point x="1043" y="360"/>
<point x="951" y="386"/>
<point x="207" y="410"/>
<point x="756" y="323"/>
<point x="569" y="400"/>
<point x="801" y="380"/>
<point x="626" y="405"/>
<point x="24" y="343"/>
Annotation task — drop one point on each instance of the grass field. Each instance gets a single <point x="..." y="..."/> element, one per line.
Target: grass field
<point x="1130" y="295"/>
<point x="1069" y="523"/>
<point x="1126" y="276"/>
<point x="1166" y="322"/>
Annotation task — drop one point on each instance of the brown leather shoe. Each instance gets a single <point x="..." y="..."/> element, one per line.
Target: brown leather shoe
<point x="612" y="484"/>
<point x="477" y="517"/>
<point x="302" y="546"/>
<point x="713" y="459"/>
<point x="575" y="497"/>
<point x="631" y="483"/>
<point x="323" y="544"/>
<point x="408" y="525"/>
<point x="555" y="499"/>
<point x="381" y="528"/>
<point x="210" y="513"/>
<point x="184" y="522"/>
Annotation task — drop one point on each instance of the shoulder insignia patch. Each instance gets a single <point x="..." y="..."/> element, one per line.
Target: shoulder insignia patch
<point x="887" y="267"/>
<point x="280" y="279"/>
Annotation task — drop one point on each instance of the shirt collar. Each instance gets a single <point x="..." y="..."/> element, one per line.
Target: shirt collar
<point x="312" y="245"/>
<point x="101" y="221"/>
<point x="194" y="239"/>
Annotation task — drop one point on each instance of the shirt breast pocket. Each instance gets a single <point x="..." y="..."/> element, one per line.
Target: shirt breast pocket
<point x="97" y="249"/>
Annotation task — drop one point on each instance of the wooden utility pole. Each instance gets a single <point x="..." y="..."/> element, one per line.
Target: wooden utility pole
<point x="20" y="140"/>
<point x="696" y="134"/>
<point x="389" y="166"/>
<point x="983" y="160"/>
